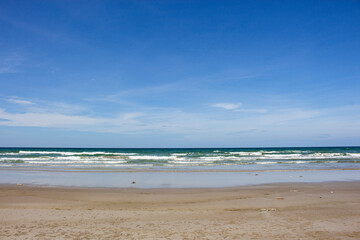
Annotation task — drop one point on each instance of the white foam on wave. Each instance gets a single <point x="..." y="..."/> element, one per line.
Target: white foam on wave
<point x="357" y="155"/>
<point x="192" y="158"/>
<point x="247" y="153"/>
<point x="310" y="156"/>
<point x="219" y="158"/>
<point x="76" y="153"/>
<point x="184" y="161"/>
<point x="149" y="157"/>
<point x="281" y="156"/>
<point x="265" y="162"/>
<point x="9" y="154"/>
<point x="10" y="158"/>
<point x="26" y="159"/>
<point x="225" y="158"/>
<point x="72" y="158"/>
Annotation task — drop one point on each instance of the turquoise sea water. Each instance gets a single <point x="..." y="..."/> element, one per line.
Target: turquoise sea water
<point x="194" y="158"/>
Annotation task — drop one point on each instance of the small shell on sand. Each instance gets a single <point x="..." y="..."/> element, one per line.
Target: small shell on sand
<point x="268" y="209"/>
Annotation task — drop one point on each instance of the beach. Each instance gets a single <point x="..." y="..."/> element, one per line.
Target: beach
<point x="255" y="193"/>
<point x="327" y="210"/>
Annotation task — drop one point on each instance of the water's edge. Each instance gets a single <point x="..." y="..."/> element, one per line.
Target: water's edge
<point x="156" y="179"/>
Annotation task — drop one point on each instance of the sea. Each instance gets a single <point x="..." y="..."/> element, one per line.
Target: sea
<point x="181" y="158"/>
<point x="176" y="167"/>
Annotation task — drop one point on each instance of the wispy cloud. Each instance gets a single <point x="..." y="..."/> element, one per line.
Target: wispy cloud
<point x="289" y="122"/>
<point x="33" y="105"/>
<point x="193" y="83"/>
<point x="237" y="107"/>
<point x="74" y="122"/>
<point x="228" y="106"/>
<point x="19" y="101"/>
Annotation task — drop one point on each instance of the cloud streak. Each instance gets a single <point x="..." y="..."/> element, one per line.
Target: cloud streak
<point x="189" y="125"/>
<point x="228" y="106"/>
<point x="19" y="101"/>
<point x="237" y="107"/>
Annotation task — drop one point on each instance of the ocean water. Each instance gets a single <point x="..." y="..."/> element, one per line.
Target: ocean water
<point x="196" y="159"/>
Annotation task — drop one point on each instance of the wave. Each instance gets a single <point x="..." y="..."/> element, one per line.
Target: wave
<point x="247" y="153"/>
<point x="265" y="162"/>
<point x="171" y="158"/>
<point x="150" y="157"/>
<point x="179" y="154"/>
<point x="73" y="153"/>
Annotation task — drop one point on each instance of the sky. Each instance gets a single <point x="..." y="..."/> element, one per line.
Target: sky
<point x="179" y="73"/>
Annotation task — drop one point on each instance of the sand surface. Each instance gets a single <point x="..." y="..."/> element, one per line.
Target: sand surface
<point x="282" y="211"/>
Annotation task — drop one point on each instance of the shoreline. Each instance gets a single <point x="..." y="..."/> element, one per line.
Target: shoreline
<point x="171" y="179"/>
<point x="239" y="187"/>
<point x="140" y="170"/>
<point x="326" y="210"/>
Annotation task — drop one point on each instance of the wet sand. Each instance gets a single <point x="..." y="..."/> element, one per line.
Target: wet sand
<point x="277" y="211"/>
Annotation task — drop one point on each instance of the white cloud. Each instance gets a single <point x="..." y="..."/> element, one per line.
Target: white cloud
<point x="19" y="101"/>
<point x="228" y="106"/>
<point x="156" y="120"/>
<point x="237" y="107"/>
<point x="190" y="125"/>
<point x="123" y="123"/>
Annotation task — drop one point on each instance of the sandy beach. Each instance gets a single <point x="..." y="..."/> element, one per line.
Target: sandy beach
<point x="276" y="211"/>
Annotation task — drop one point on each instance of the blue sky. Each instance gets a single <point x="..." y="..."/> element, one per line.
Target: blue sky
<point x="179" y="73"/>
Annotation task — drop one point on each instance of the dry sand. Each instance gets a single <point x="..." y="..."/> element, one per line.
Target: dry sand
<point x="282" y="211"/>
